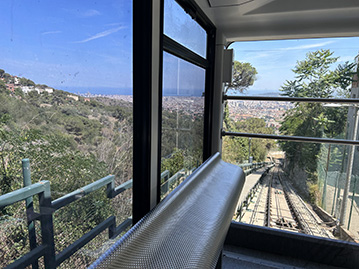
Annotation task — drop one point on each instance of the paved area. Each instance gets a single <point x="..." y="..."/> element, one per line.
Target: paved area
<point x="251" y="180"/>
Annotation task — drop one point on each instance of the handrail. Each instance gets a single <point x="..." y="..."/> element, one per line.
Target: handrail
<point x="23" y="193"/>
<point x="295" y="138"/>
<point x="81" y="192"/>
<point x="165" y="186"/>
<point x="293" y="99"/>
<point x="185" y="230"/>
<point x="48" y="207"/>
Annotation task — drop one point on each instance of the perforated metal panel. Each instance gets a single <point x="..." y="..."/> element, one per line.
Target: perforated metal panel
<point x="188" y="228"/>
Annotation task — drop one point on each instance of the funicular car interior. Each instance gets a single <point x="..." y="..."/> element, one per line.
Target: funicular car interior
<point x="226" y="22"/>
<point x="191" y="227"/>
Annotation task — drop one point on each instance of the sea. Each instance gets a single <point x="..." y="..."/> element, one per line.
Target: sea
<point x="167" y="92"/>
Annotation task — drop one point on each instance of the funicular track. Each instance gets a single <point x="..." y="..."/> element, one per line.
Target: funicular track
<point x="277" y="205"/>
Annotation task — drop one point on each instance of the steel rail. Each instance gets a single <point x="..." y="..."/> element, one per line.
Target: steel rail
<point x="302" y="225"/>
<point x="306" y="217"/>
<point x="295" y="138"/>
<point x="268" y="206"/>
<point x="278" y="206"/>
<point x="348" y="101"/>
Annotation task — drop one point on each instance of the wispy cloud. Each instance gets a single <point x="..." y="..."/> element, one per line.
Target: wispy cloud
<point x="309" y="46"/>
<point x="102" y="34"/>
<point x="90" y="13"/>
<point x="51" y="32"/>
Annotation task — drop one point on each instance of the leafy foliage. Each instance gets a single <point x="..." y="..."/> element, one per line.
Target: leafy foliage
<point x="314" y="77"/>
<point x="70" y="142"/>
<point x="244" y="75"/>
<point x="235" y="149"/>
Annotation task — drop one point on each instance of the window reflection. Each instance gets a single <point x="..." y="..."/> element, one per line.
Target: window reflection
<point x="66" y="105"/>
<point x="182" y="119"/>
<point x="179" y="26"/>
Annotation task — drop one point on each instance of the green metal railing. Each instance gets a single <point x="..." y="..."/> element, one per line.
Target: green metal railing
<point x="249" y="168"/>
<point x="255" y="166"/>
<point x="169" y="183"/>
<point x="47" y="208"/>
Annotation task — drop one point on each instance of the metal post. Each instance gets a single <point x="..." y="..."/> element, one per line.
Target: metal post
<point x="337" y="190"/>
<point x="351" y="206"/>
<point x="335" y="193"/>
<point x="324" y="199"/>
<point x="47" y="228"/>
<point x="29" y="208"/>
<point x="349" y="169"/>
<point x="249" y="150"/>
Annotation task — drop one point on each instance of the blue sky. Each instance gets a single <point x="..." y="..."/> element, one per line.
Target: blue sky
<point x="65" y="43"/>
<point x="274" y="60"/>
<point x="68" y="45"/>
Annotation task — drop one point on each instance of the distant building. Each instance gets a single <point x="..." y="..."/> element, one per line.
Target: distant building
<point x="16" y="81"/>
<point x="27" y="89"/>
<point x="48" y="90"/>
<point x="76" y="98"/>
<point x="10" y="87"/>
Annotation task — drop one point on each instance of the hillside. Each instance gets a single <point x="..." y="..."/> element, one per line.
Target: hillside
<point x="70" y="141"/>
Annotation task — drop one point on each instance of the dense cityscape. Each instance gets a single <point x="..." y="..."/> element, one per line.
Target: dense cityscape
<point x="271" y="112"/>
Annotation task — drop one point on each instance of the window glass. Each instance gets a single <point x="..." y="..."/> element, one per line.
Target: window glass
<point x="66" y="105"/>
<point x="182" y="120"/>
<point x="179" y="26"/>
<point x="323" y="176"/>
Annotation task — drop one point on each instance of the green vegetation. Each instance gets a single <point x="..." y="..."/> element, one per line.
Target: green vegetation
<point x="70" y="142"/>
<point x="182" y="140"/>
<point x="236" y="149"/>
<point x="316" y="77"/>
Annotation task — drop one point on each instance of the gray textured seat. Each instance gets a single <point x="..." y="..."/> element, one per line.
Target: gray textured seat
<point x="187" y="229"/>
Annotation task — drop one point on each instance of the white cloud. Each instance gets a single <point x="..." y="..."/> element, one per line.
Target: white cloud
<point x="51" y="32"/>
<point x="309" y="46"/>
<point x="90" y="13"/>
<point x="102" y="34"/>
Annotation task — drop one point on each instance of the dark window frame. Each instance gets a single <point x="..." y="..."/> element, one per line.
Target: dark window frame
<point x="174" y="48"/>
<point x="142" y="99"/>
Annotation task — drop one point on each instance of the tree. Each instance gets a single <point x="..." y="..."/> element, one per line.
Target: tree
<point x="2" y="72"/>
<point x="244" y="75"/>
<point x="2" y="86"/>
<point x="314" y="77"/>
<point x="234" y="148"/>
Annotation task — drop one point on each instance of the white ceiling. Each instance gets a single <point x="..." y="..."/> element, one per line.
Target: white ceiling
<point x="242" y="20"/>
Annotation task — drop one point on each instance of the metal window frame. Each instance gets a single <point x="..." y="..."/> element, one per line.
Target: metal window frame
<point x="174" y="48"/>
<point x="146" y="113"/>
<point x="147" y="96"/>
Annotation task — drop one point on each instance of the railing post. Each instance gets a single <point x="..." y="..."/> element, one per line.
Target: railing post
<point x="29" y="208"/>
<point x="47" y="228"/>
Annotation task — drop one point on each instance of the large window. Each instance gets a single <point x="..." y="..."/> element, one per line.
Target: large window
<point x="66" y="105"/>
<point x="297" y="106"/>
<point x="182" y="119"/>
<point x="183" y="96"/>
